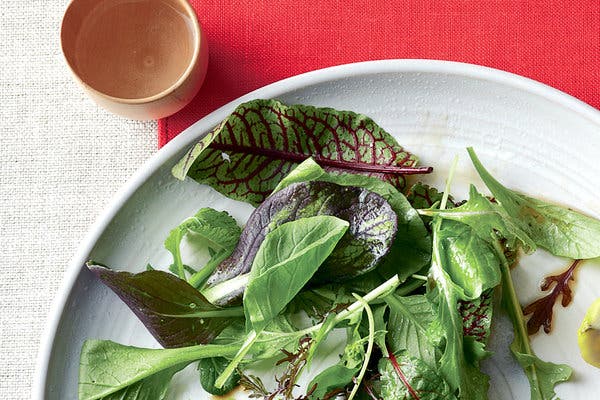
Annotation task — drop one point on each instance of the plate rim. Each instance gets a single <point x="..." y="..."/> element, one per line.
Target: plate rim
<point x="189" y="135"/>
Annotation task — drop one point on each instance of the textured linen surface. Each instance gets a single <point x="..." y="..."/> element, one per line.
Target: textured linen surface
<point x="61" y="160"/>
<point x="253" y="43"/>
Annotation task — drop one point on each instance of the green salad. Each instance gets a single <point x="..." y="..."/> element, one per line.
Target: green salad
<point x="343" y="239"/>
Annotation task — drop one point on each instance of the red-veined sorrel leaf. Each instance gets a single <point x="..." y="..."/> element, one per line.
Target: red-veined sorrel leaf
<point x="373" y="226"/>
<point x="541" y="310"/>
<point x="477" y="316"/>
<point x="173" y="311"/>
<point x="248" y="153"/>
<point x="421" y="195"/>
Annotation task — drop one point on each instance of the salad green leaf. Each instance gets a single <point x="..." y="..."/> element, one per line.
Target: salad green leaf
<point x="487" y="220"/>
<point x="174" y="312"/>
<point x="408" y="327"/>
<point x="423" y="196"/>
<point x="409" y="378"/>
<point x="463" y="266"/>
<point x="542" y="375"/>
<point x="411" y="249"/>
<point x="372" y="227"/>
<point x="561" y="231"/>
<point x="216" y="230"/>
<point x="477" y="316"/>
<point x="248" y="153"/>
<point x="286" y="260"/>
<point x="108" y="370"/>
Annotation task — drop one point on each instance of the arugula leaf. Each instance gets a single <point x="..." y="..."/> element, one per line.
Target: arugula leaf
<point x="285" y="262"/>
<point x="174" y="312"/>
<point x="210" y="369"/>
<point x="561" y="231"/>
<point x="408" y="327"/>
<point x="372" y="228"/>
<point x="216" y="230"/>
<point x="463" y="266"/>
<point x="109" y="370"/>
<point x="542" y="376"/>
<point x="486" y="218"/>
<point x="263" y="140"/>
<point x="411" y="249"/>
<point x="409" y="378"/>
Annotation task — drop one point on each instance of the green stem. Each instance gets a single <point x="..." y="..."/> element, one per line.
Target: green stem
<point x="448" y="183"/>
<point x="199" y="278"/>
<point x="250" y="339"/>
<point x="370" y="342"/>
<point x="515" y="312"/>
<point x="409" y="287"/>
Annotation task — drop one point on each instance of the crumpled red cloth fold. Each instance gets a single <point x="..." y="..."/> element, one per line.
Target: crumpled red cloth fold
<point x="257" y="42"/>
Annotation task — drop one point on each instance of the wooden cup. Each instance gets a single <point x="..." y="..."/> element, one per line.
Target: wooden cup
<point x="143" y="59"/>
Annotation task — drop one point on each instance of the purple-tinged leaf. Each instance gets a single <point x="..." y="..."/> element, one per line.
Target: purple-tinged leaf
<point x="175" y="313"/>
<point x="246" y="155"/>
<point x="373" y="225"/>
<point x="541" y="310"/>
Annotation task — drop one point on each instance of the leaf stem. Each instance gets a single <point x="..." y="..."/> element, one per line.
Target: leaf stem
<point x="199" y="278"/>
<point x="348" y="165"/>
<point x="250" y="339"/>
<point x="448" y="183"/>
<point x="370" y="342"/>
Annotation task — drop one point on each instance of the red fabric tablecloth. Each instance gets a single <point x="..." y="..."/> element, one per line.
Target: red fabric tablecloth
<point x="257" y="42"/>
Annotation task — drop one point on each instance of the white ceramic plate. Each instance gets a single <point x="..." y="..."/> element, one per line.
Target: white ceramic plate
<point x="532" y="137"/>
